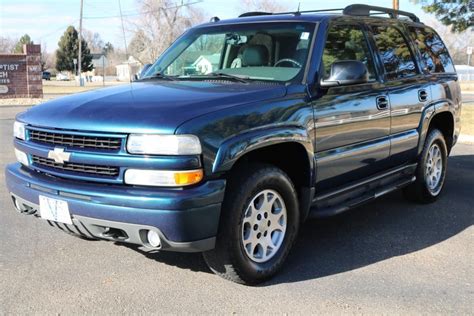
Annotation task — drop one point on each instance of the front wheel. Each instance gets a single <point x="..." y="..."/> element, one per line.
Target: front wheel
<point x="259" y="223"/>
<point x="431" y="170"/>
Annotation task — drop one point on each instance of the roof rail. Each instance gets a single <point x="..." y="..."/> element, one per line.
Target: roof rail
<point x="364" y="10"/>
<point x="353" y="9"/>
<point x="247" y="14"/>
<point x="254" y="13"/>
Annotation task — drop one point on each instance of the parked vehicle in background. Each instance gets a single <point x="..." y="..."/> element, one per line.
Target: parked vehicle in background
<point x="46" y="75"/>
<point x="242" y="130"/>
<point x="62" y="77"/>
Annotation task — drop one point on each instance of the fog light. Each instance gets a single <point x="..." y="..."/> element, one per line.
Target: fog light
<point x="21" y="157"/>
<point x="153" y="238"/>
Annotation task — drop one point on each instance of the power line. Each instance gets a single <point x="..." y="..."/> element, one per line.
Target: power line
<point x="141" y="13"/>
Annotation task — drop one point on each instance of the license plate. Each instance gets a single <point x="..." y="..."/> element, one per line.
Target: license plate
<point x="54" y="210"/>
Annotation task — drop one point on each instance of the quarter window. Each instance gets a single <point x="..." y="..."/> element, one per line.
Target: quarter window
<point x="394" y="52"/>
<point x="433" y="52"/>
<point x="346" y="42"/>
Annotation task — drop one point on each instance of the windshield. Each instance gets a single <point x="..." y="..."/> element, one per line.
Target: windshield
<point x="264" y="51"/>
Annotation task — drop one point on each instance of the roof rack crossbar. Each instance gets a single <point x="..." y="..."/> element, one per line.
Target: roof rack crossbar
<point x="364" y="10"/>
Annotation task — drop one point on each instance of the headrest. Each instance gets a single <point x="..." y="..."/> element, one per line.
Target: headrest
<point x="255" y="55"/>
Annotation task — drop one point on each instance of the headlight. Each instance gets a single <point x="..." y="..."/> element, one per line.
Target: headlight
<point x="163" y="178"/>
<point x="21" y="157"/>
<point x="19" y="130"/>
<point x="163" y="144"/>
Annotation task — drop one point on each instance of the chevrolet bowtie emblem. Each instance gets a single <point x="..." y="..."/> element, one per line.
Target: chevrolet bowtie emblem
<point x="58" y="155"/>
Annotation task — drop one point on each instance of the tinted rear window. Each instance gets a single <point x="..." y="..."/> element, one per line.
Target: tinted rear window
<point x="394" y="52"/>
<point x="433" y="52"/>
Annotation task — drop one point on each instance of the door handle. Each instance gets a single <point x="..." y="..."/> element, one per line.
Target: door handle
<point x="422" y="95"/>
<point x="382" y="102"/>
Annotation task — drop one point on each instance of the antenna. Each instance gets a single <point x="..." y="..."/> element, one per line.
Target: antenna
<point x="299" y="4"/>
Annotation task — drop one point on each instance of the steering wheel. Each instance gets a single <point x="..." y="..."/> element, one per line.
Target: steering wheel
<point x="288" y="60"/>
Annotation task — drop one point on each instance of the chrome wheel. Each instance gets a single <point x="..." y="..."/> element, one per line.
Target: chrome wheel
<point x="264" y="226"/>
<point x="434" y="167"/>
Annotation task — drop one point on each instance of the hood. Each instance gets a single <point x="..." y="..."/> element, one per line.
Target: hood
<point x="145" y="107"/>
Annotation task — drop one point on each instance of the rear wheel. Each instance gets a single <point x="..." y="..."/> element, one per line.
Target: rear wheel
<point x="431" y="170"/>
<point x="258" y="226"/>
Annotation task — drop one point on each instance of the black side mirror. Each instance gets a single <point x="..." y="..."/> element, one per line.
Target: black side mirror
<point x="346" y="72"/>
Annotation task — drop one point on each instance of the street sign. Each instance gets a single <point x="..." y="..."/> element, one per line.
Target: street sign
<point x="469" y="50"/>
<point x="74" y="61"/>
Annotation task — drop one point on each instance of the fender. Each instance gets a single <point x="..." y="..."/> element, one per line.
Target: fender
<point x="428" y="113"/>
<point x="235" y="147"/>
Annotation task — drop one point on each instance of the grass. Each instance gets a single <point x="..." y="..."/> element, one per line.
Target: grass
<point x="467" y="120"/>
<point x="66" y="89"/>
<point x="70" y="87"/>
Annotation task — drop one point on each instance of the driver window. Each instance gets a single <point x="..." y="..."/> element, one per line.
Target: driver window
<point x="347" y="42"/>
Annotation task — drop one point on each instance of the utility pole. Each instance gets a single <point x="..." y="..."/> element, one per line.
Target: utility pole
<point x="79" y="62"/>
<point x="125" y="43"/>
<point x="396" y="4"/>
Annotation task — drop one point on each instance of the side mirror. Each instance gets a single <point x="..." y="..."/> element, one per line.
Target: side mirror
<point x="346" y="72"/>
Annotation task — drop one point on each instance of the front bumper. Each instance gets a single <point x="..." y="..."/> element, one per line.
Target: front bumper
<point x="186" y="219"/>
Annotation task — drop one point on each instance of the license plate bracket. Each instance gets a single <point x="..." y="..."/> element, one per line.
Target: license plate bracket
<point x="54" y="210"/>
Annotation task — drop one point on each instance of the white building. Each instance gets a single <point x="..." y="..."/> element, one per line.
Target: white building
<point x="207" y="63"/>
<point x="127" y="69"/>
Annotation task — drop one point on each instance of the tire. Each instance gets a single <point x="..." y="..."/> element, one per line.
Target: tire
<point x="239" y="254"/>
<point x="433" y="160"/>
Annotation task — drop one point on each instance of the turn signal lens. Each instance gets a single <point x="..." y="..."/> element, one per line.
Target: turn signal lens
<point x="188" y="177"/>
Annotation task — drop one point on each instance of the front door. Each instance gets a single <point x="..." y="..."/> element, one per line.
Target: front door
<point x="352" y="122"/>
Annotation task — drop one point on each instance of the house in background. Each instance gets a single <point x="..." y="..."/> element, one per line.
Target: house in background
<point x="127" y="69"/>
<point x="100" y="63"/>
<point x="207" y="63"/>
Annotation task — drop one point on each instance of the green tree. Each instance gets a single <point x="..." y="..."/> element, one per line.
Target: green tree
<point x="455" y="13"/>
<point x="25" y="39"/>
<point x="69" y="50"/>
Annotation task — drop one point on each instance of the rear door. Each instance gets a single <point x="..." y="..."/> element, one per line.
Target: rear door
<point x="352" y="122"/>
<point x="408" y="89"/>
<point x="437" y="65"/>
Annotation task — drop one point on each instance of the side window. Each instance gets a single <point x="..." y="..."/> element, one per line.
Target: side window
<point x="433" y="52"/>
<point x="346" y="42"/>
<point x="394" y="52"/>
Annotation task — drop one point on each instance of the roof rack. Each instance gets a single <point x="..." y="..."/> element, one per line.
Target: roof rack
<point x="353" y="9"/>
<point x="257" y="13"/>
<point x="364" y="10"/>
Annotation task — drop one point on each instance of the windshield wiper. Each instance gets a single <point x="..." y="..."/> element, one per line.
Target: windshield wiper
<point x="239" y="78"/>
<point x="160" y="75"/>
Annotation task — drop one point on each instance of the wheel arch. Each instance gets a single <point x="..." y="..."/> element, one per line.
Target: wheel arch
<point x="288" y="148"/>
<point x="442" y="117"/>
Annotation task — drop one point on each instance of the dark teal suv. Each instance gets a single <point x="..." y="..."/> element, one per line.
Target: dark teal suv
<point x="242" y="130"/>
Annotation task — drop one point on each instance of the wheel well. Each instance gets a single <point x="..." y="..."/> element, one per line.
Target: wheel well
<point x="292" y="158"/>
<point x="444" y="121"/>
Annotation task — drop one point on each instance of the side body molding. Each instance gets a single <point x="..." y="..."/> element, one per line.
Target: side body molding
<point x="234" y="148"/>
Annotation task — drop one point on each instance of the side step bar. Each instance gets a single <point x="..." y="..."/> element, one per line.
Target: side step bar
<point x="341" y="200"/>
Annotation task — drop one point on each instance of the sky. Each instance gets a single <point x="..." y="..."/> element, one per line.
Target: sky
<point x="46" y="20"/>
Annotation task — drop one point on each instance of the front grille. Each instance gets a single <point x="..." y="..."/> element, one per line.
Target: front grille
<point x="106" y="171"/>
<point x="75" y="141"/>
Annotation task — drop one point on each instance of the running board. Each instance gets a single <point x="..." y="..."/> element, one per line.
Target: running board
<point x="344" y="199"/>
